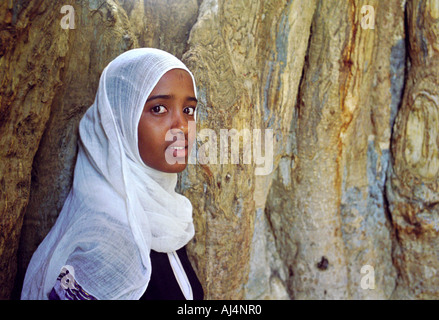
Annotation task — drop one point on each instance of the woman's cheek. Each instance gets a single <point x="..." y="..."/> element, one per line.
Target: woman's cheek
<point x="192" y="133"/>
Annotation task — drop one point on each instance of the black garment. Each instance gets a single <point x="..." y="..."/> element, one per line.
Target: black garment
<point x="163" y="285"/>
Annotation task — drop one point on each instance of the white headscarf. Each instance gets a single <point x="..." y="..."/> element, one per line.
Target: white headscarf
<point x="118" y="208"/>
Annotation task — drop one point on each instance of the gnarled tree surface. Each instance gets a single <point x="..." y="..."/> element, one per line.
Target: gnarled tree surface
<point x="412" y="185"/>
<point x="348" y="88"/>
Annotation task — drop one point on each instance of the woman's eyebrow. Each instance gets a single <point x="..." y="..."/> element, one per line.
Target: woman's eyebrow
<point x="160" y="96"/>
<point x="167" y="96"/>
<point x="192" y="99"/>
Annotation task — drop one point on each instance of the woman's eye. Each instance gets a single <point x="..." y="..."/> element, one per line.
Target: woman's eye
<point x="158" y="109"/>
<point x="189" y="110"/>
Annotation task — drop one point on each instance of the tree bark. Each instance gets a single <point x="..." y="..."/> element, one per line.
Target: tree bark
<point x="347" y="88"/>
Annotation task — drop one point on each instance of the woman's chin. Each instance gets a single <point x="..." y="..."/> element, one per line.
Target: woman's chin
<point x="174" y="168"/>
<point x="177" y="168"/>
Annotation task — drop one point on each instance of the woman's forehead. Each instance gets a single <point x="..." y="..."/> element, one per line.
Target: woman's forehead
<point x="175" y="79"/>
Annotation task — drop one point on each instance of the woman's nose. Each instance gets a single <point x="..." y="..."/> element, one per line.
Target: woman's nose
<point x="179" y="123"/>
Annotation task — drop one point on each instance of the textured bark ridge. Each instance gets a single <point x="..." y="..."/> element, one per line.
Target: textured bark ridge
<point x="412" y="186"/>
<point x="249" y="62"/>
<point x="31" y="66"/>
<point x="332" y="180"/>
<point x="348" y="88"/>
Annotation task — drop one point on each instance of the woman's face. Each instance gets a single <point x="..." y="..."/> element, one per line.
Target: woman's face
<point x="166" y="118"/>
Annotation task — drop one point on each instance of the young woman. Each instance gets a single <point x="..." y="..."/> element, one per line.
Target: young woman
<point x="123" y="229"/>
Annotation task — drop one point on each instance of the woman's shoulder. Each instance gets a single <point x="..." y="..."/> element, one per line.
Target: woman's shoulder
<point x="95" y="227"/>
<point x="104" y="256"/>
<point x="101" y="236"/>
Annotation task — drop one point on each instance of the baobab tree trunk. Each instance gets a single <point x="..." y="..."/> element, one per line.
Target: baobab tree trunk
<point x="346" y="89"/>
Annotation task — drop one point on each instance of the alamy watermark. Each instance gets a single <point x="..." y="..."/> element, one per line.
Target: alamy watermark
<point x="68" y="21"/>
<point x="252" y="145"/>
<point x="368" y="19"/>
<point x="256" y="150"/>
<point x="368" y="280"/>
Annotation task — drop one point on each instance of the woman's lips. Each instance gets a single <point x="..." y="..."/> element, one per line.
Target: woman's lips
<point x="178" y="150"/>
